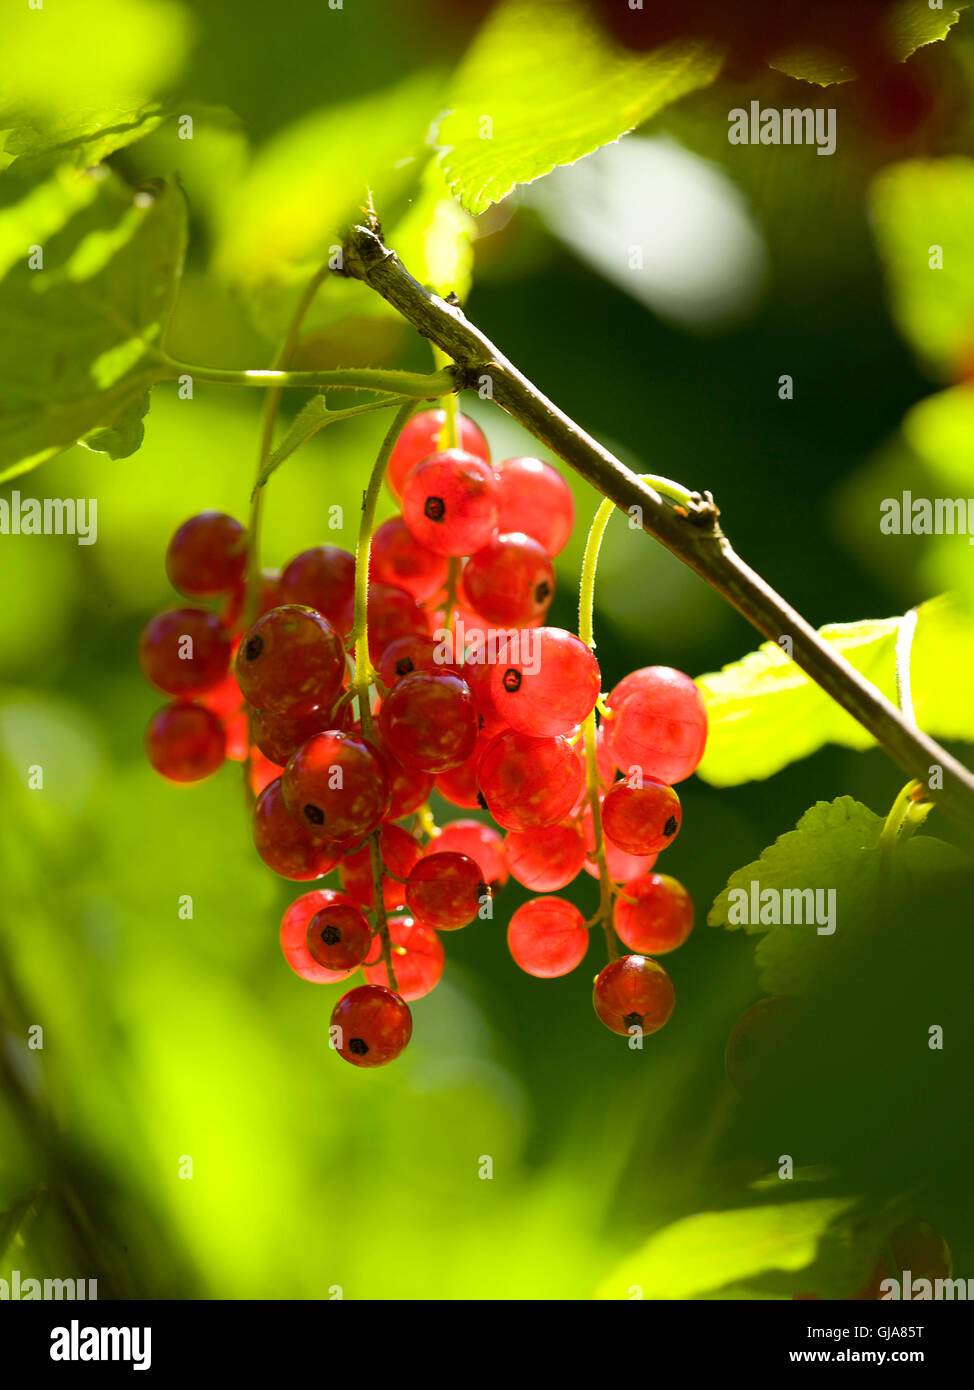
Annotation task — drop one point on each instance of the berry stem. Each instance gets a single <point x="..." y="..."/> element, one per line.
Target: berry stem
<point x="418" y="385"/>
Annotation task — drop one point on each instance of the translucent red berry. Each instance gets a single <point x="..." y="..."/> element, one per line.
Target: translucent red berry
<point x="416" y="652"/>
<point x="336" y="786"/>
<point x="322" y="578"/>
<point x="641" y="815"/>
<point x="547" y="937"/>
<point x="207" y="555"/>
<point x="294" y="935"/>
<point x="535" y="499"/>
<point x="339" y="938"/>
<point x="278" y="737"/>
<point x="530" y="782"/>
<point x="429" y="721"/>
<point x="399" y="851"/>
<point x="450" y="503"/>
<point x="185" y="743"/>
<point x="283" y="844"/>
<point x="370" y="1026"/>
<point x="460" y="785"/>
<point x="396" y="557"/>
<point x="545" y="859"/>
<point x="421" y="437"/>
<point x="291" y="662"/>
<point x="510" y="581"/>
<point x="446" y="890"/>
<point x="545" y="681"/>
<point x="408" y="788"/>
<point x="185" y="652"/>
<point x="391" y="613"/>
<point x="657" y="722"/>
<point x="634" y="992"/>
<point x="621" y="866"/>
<point x="417" y="958"/>
<point x="479" y="842"/>
<point x="660" y="919"/>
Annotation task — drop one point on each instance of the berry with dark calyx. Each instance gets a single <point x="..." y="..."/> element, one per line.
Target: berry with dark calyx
<point x="479" y="842"/>
<point x="336" y="786"/>
<point x="322" y="578"/>
<point x="417" y="958"/>
<point x="429" y="721"/>
<point x="657" y="721"/>
<point x="545" y="681"/>
<point x="207" y="555"/>
<point x="294" y="935"/>
<point x="421" y="437"/>
<point x="399" y="850"/>
<point x="416" y="652"/>
<point x="530" y="782"/>
<point x="659" y="920"/>
<point x="450" y="502"/>
<point x="535" y="499"/>
<point x="547" y="859"/>
<point x="621" y="866"/>
<point x="278" y="737"/>
<point x="510" y="581"/>
<point x="284" y="845"/>
<point x="397" y="558"/>
<point x="291" y="662"/>
<point x="185" y="652"/>
<point x="641" y="815"/>
<point x="339" y="937"/>
<point x="370" y="1026"/>
<point x="634" y="992"/>
<point x="185" y="743"/>
<point x="445" y="890"/>
<point x="547" y="937"/>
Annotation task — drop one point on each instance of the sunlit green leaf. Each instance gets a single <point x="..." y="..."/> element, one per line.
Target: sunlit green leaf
<point x="909" y="26"/>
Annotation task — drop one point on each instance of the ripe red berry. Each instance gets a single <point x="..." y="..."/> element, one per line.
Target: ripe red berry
<point x="283" y="844"/>
<point x="547" y="937"/>
<point x="641" y="816"/>
<point x="545" y="859"/>
<point x="446" y="890"/>
<point x="421" y="437"/>
<point x="460" y="785"/>
<point x="291" y="662"/>
<point x="339" y="938"/>
<point x="657" y="721"/>
<point x="408" y="654"/>
<point x="370" y="1026"/>
<point x="417" y="958"/>
<point x="545" y="681"/>
<point x="450" y="502"/>
<point x="510" y="581"/>
<point x="408" y="788"/>
<point x="207" y="555"/>
<point x="294" y="935"/>
<point x="396" y="557"/>
<point x="659" y="920"/>
<point x="621" y="866"/>
<point x="336" y="786"/>
<point x="278" y="737"/>
<point x="429" y="720"/>
<point x="479" y="842"/>
<point x="535" y="499"/>
<point x="185" y="743"/>
<point x="390" y="613"/>
<point x="634" y="992"/>
<point x="399" y="850"/>
<point x="530" y="782"/>
<point x="185" y="652"/>
<point x="322" y="578"/>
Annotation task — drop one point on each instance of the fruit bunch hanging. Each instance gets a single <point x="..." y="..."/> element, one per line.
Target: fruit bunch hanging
<point x="354" y="686"/>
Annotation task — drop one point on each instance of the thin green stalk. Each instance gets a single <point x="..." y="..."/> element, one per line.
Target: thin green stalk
<point x="419" y="385"/>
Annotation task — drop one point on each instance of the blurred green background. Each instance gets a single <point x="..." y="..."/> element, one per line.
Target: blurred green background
<point x="166" y="1038"/>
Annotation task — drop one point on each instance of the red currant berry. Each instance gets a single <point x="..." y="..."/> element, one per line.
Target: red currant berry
<point x="450" y="503"/>
<point x="659" y="920"/>
<point x="408" y="789"/>
<point x="547" y="937"/>
<point x="479" y="842"/>
<point x="417" y="958"/>
<point x="339" y="938"/>
<point x="634" y="992"/>
<point x="371" y="1026"/>
<point x="294" y="935"/>
<point x="391" y="613"/>
<point x="446" y="890"/>
<point x="510" y="581"/>
<point x="536" y="499"/>
<point x="429" y="721"/>
<point x="421" y="436"/>
<point x="322" y="578"/>
<point x="336" y="786"/>
<point x="460" y="785"/>
<point x="641" y="816"/>
<point x="185" y="743"/>
<point x="291" y="662"/>
<point x="185" y="652"/>
<point x="529" y="782"/>
<point x="397" y="558"/>
<point x="283" y="844"/>
<point x="278" y="737"/>
<point x="621" y="866"/>
<point x="399" y="851"/>
<point x="545" y="681"/>
<point x="545" y="859"/>
<point x="207" y="555"/>
<point x="657" y="722"/>
<point x="408" y="654"/>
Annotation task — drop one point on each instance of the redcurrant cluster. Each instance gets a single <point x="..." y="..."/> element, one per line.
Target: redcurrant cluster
<point x="467" y="693"/>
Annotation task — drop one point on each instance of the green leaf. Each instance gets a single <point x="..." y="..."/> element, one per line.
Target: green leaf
<point x="765" y="713"/>
<point x="917" y="207"/>
<point x="910" y="26"/>
<point x="314" y="417"/>
<point x="83" y="141"/>
<point x="513" y="115"/>
<point x="83" y="329"/>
